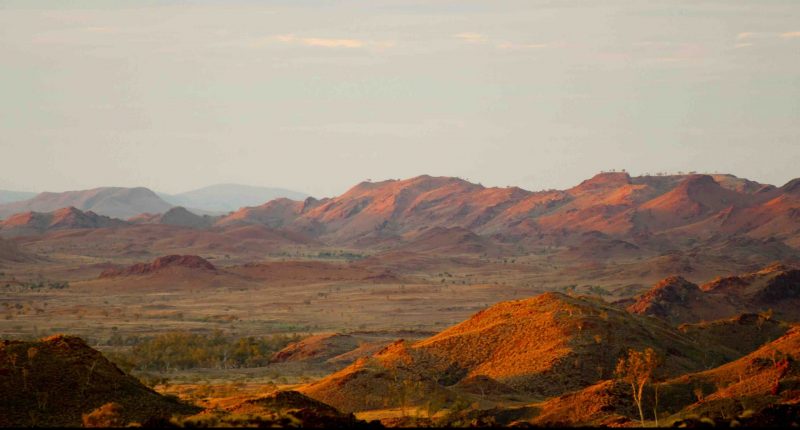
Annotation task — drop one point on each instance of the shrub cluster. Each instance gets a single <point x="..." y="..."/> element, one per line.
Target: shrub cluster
<point x="183" y="350"/>
<point x="39" y="285"/>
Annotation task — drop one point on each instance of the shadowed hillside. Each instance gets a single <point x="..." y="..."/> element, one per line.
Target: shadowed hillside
<point x="743" y="334"/>
<point x="775" y="288"/>
<point x="190" y="262"/>
<point x="177" y="216"/>
<point x="753" y="390"/>
<point x="29" y="223"/>
<point x="230" y="197"/>
<point x="10" y="253"/>
<point x="318" y="348"/>
<point x="52" y="382"/>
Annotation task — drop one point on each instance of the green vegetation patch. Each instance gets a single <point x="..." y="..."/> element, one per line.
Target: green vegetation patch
<point x="184" y="350"/>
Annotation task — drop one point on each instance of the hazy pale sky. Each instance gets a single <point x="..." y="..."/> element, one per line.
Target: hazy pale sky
<point x="319" y="95"/>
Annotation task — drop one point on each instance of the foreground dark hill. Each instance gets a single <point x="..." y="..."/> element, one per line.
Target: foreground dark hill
<point x="113" y="202"/>
<point x="283" y="409"/>
<point x="52" y="382"/>
<point x="759" y="389"/>
<point x="741" y="334"/>
<point x="542" y="346"/>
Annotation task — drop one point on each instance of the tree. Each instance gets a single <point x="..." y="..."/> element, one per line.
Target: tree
<point x="636" y="370"/>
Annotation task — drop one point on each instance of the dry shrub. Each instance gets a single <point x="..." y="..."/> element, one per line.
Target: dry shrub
<point x="108" y="415"/>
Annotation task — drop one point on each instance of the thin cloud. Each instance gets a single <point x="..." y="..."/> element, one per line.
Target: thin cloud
<point x="476" y="38"/>
<point x="471" y="37"/>
<point x="100" y="29"/>
<point x="508" y="46"/>
<point x="746" y="39"/>
<point x="321" y="42"/>
<point x="333" y="43"/>
<point x="749" y="35"/>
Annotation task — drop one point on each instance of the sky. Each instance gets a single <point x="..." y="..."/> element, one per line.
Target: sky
<point x="317" y="96"/>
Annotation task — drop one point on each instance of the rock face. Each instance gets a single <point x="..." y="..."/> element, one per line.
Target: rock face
<point x="192" y="262"/>
<point x="52" y="382"/>
<point x="775" y="288"/>
<point x="318" y="348"/>
<point x="669" y="299"/>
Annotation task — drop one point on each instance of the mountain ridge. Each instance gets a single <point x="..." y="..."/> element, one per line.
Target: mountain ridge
<point x="636" y="209"/>
<point x="655" y="213"/>
<point x="115" y="202"/>
<point x="62" y="219"/>
<point x="227" y="197"/>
